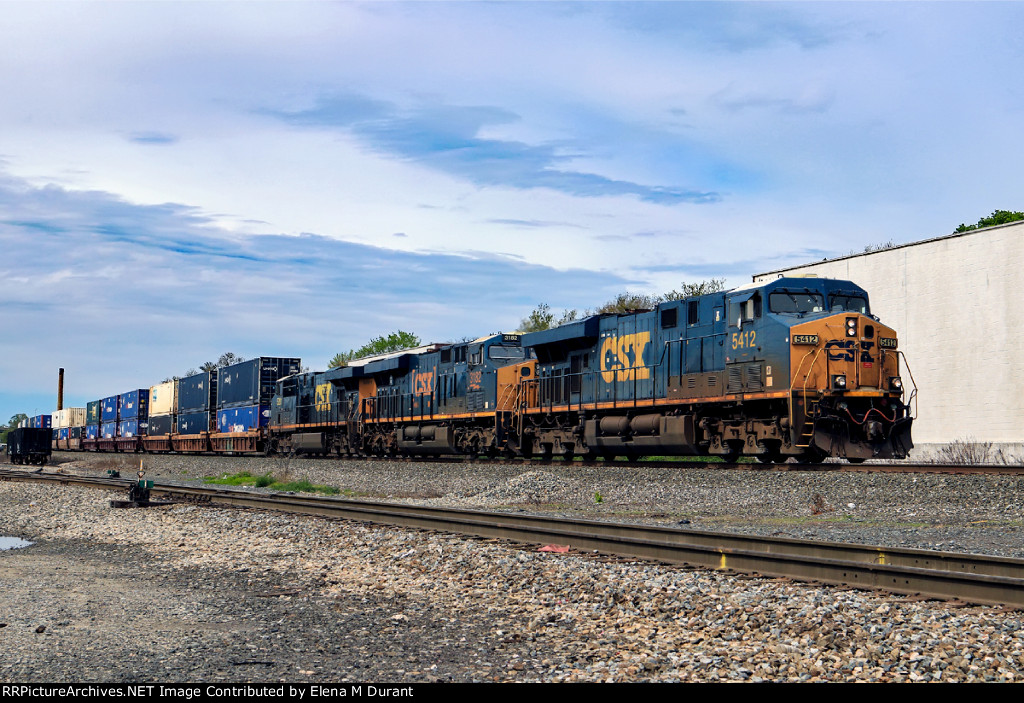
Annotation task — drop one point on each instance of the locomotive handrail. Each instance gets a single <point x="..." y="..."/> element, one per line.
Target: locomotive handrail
<point x="816" y="352"/>
<point x="913" y="393"/>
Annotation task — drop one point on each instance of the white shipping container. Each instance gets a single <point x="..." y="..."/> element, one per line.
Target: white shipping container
<point x="163" y="398"/>
<point x="68" y="417"/>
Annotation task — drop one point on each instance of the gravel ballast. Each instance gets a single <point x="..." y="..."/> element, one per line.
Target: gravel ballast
<point x="185" y="593"/>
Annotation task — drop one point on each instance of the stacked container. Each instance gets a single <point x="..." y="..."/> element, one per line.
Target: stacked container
<point x="109" y="416"/>
<point x="133" y="408"/>
<point x="92" y="419"/>
<point x="42" y="422"/>
<point x="244" y="391"/>
<point x="163" y="404"/>
<point x="197" y="398"/>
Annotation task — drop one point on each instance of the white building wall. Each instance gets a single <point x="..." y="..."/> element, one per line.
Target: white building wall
<point x="956" y="305"/>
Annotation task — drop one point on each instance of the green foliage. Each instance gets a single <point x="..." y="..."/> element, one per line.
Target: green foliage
<point x="244" y="478"/>
<point x="627" y="302"/>
<point x="542" y="318"/>
<point x="11" y="424"/>
<point x="598" y="498"/>
<point x="226" y="359"/>
<point x="692" y="290"/>
<point x="396" y="341"/>
<point x="998" y="217"/>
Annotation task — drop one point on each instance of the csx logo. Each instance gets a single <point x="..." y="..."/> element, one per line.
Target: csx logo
<point x="423" y="383"/>
<point x="625" y="352"/>
<point x="846" y="350"/>
<point x="323" y="397"/>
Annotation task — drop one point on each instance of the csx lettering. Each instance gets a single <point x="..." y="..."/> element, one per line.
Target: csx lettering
<point x="323" y="397"/>
<point x="620" y="356"/>
<point x="841" y="349"/>
<point x="423" y="383"/>
<point x="476" y="379"/>
<point x="865" y="354"/>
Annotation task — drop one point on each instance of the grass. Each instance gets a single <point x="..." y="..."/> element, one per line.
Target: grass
<point x="244" y="478"/>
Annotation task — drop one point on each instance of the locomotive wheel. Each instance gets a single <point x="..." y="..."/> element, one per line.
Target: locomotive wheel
<point x="856" y="459"/>
<point x="811" y="456"/>
<point x="734" y="452"/>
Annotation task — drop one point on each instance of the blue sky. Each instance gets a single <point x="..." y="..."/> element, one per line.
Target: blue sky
<point x="178" y="180"/>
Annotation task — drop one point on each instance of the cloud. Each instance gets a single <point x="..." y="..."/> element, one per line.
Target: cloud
<point x="152" y="138"/>
<point x="123" y="295"/>
<point x="446" y="137"/>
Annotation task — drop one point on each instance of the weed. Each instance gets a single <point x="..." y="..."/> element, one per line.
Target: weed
<point x="965" y="452"/>
<point x="598" y="498"/>
<point x="244" y="478"/>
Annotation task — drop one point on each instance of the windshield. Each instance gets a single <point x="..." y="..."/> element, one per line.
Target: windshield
<point x="796" y="302"/>
<point x="497" y="353"/>
<point x="851" y="303"/>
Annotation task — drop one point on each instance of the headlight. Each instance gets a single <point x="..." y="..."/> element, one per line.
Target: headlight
<point x="895" y="383"/>
<point x="839" y="382"/>
<point x="851" y="327"/>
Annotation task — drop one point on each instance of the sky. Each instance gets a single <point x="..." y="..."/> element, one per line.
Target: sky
<point x="179" y="180"/>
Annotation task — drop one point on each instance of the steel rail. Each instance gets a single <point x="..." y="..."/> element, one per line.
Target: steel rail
<point x="681" y="463"/>
<point x="947" y="575"/>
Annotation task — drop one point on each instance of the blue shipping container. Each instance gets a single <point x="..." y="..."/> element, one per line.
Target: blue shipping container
<point x="193" y="423"/>
<point x="134" y="403"/>
<point x="92" y="432"/>
<point x="243" y="419"/>
<point x="108" y="430"/>
<point x="62" y="433"/>
<point x="197" y="393"/>
<point x="108" y="410"/>
<point x="128" y="428"/>
<point x="41" y="421"/>
<point x="251" y="383"/>
<point x="160" y="425"/>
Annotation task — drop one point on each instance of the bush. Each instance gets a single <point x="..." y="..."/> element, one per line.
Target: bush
<point x="963" y="452"/>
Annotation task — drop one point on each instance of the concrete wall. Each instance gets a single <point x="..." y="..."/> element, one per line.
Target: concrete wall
<point x="957" y="304"/>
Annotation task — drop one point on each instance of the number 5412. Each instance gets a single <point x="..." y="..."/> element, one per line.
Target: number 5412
<point x="744" y="340"/>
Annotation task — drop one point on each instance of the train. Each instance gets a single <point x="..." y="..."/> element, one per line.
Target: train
<point x="797" y="367"/>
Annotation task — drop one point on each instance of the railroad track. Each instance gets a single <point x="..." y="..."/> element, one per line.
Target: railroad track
<point x="945" y="575"/>
<point x="894" y="467"/>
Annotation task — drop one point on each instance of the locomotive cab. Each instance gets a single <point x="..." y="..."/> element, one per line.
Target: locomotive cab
<point x="846" y="388"/>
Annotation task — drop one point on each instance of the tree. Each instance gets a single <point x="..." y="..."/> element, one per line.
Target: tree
<point x="626" y="302"/>
<point x="692" y="290"/>
<point x="396" y="341"/>
<point x="12" y="423"/>
<point x="228" y="358"/>
<point x="998" y="217"/>
<point x="542" y="318"/>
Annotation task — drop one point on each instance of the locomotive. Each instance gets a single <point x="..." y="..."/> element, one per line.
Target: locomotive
<point x="797" y="367"/>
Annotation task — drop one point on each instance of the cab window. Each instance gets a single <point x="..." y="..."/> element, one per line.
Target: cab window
<point x="496" y="353"/>
<point x="746" y="311"/>
<point x="848" y="303"/>
<point x="792" y="302"/>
